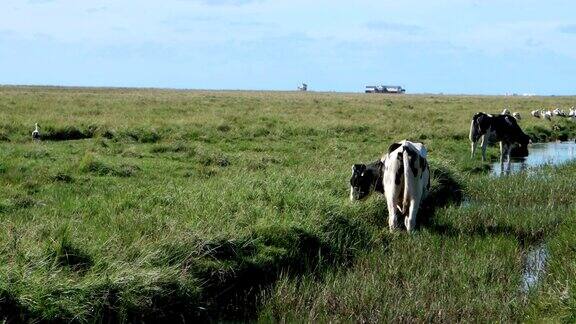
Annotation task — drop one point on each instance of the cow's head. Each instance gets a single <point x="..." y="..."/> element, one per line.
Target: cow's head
<point x="483" y="122"/>
<point x="524" y="141"/>
<point x="361" y="183"/>
<point x="521" y="147"/>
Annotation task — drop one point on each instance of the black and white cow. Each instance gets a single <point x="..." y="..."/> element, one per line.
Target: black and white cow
<point x="402" y="175"/>
<point x="366" y="178"/>
<point x="406" y="182"/>
<point x="498" y="128"/>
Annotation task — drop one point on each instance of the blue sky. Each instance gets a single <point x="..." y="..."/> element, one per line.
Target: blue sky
<point x="449" y="46"/>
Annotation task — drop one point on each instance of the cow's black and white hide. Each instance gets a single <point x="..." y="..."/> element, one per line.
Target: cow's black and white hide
<point x="366" y="179"/>
<point x="498" y="128"/>
<point x="406" y="182"/>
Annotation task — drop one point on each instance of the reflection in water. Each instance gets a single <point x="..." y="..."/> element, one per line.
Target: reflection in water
<point x="466" y="202"/>
<point x="553" y="153"/>
<point x="534" y="264"/>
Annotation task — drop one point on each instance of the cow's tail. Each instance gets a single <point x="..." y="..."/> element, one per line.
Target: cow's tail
<point x="408" y="182"/>
<point x="473" y="130"/>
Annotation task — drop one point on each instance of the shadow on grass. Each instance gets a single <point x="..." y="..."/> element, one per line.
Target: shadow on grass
<point x="446" y="191"/>
<point x="11" y="311"/>
<point x="524" y="238"/>
<point x="67" y="133"/>
<point x="67" y="254"/>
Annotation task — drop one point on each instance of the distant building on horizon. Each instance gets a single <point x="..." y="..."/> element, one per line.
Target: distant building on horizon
<point x="385" y="89"/>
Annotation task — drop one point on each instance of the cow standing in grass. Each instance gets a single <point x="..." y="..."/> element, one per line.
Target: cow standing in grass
<point x="406" y="182"/>
<point x="402" y="175"/>
<point x="499" y="128"/>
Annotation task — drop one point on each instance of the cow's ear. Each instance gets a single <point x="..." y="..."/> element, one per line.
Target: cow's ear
<point x="393" y="147"/>
<point x="481" y="118"/>
<point x="509" y="121"/>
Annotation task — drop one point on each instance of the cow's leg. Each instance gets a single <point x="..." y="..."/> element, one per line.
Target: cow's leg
<point x="410" y="220"/>
<point x="473" y="148"/>
<point x="484" y="146"/>
<point x="502" y="152"/>
<point x="393" y="193"/>
<point x="392" y="217"/>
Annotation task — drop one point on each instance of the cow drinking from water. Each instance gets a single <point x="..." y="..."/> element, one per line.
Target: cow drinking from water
<point x="499" y="128"/>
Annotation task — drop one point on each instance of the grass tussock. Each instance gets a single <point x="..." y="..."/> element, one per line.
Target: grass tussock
<point x="67" y="133"/>
<point x="91" y="164"/>
<point x="62" y="177"/>
<point x="141" y="135"/>
<point x="66" y="254"/>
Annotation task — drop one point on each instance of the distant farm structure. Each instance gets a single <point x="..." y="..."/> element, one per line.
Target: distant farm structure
<point x="385" y="89"/>
<point x="303" y="87"/>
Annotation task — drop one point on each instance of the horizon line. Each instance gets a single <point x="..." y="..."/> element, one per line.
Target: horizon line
<point x="99" y="87"/>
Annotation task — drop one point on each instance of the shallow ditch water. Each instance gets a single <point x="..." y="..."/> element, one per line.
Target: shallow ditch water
<point x="534" y="266"/>
<point x="540" y="154"/>
<point x="534" y="258"/>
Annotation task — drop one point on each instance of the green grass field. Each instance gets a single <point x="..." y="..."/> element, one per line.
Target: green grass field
<point x="141" y="205"/>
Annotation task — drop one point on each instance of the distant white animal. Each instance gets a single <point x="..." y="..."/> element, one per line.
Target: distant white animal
<point x="558" y="112"/>
<point x="572" y="114"/>
<point x="36" y="133"/>
<point x="547" y="115"/>
<point x="516" y="115"/>
<point x="536" y="113"/>
<point x="505" y="112"/>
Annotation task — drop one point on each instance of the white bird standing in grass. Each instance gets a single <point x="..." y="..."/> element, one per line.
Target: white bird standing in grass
<point x="558" y="112"/>
<point x="516" y="115"/>
<point x="36" y="133"/>
<point x="505" y="111"/>
<point x="572" y="114"/>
